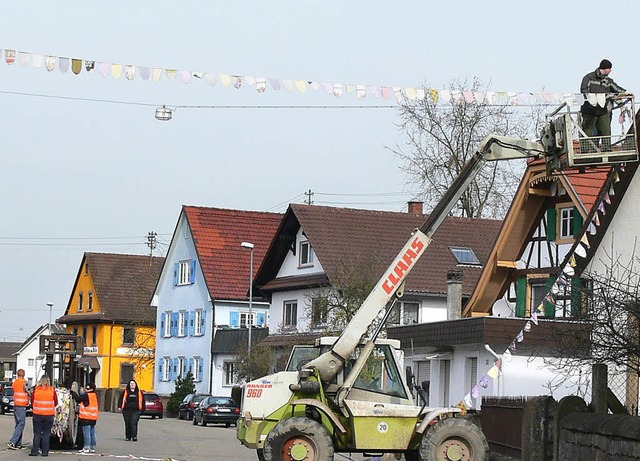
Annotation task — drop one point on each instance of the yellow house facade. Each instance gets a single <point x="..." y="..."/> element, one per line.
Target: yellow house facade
<point x="109" y="307"/>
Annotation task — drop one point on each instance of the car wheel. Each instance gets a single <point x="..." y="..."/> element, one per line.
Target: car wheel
<point x="180" y="415"/>
<point x="160" y="416"/>
<point x="227" y="424"/>
<point x="195" y="421"/>
<point x="306" y="438"/>
<point x="1" y="410"/>
<point x="153" y="416"/>
<point x="204" y="423"/>
<point x="456" y="438"/>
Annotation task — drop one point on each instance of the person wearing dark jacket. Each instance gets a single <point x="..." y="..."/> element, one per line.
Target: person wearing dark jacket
<point x="132" y="405"/>
<point x="597" y="87"/>
<point x="88" y="416"/>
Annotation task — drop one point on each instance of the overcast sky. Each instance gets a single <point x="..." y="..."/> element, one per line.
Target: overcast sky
<point x="81" y="174"/>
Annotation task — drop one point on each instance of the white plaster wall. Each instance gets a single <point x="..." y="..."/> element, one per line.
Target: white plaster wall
<point x="217" y="377"/>
<point x="290" y="264"/>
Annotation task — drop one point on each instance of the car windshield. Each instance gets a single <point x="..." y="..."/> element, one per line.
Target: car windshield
<point x="222" y="401"/>
<point x="149" y="397"/>
<point x="8" y="391"/>
<point x="199" y="398"/>
<point x="188" y="398"/>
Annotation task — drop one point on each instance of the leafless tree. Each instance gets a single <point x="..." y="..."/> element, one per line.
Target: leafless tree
<point x="443" y="136"/>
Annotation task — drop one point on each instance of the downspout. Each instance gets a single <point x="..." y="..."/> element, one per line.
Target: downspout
<point x="211" y="368"/>
<point x="113" y="322"/>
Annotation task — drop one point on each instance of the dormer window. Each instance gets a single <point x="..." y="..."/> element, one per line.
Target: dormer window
<point x="566" y="222"/>
<point x="465" y="255"/>
<point x="306" y="254"/>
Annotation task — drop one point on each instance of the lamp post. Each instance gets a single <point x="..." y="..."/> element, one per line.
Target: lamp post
<point x="50" y="304"/>
<point x="251" y="246"/>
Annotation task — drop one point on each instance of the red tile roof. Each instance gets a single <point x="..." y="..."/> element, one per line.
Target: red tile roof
<point x="217" y="235"/>
<point x="587" y="184"/>
<point x="343" y="235"/>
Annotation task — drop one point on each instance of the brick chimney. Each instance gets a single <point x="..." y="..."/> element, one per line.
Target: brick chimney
<point x="414" y="207"/>
<point x="454" y="294"/>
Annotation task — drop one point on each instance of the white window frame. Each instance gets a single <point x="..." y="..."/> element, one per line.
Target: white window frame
<point x="90" y="301"/>
<point x="81" y="301"/>
<point x="182" y="323"/>
<point x="565" y="222"/>
<point x="302" y="260"/>
<point x="244" y="316"/>
<point x="400" y="309"/>
<point x="197" y="318"/>
<point x="166" y="369"/>
<point x="167" y="324"/>
<point x="228" y="373"/>
<point x="323" y="317"/>
<point x="285" y="305"/>
<point x="197" y="364"/>
<point x="184" y="272"/>
<point x="31" y="362"/>
<point x="182" y="369"/>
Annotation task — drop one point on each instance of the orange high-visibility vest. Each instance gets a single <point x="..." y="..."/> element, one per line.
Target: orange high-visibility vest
<point x="43" y="403"/>
<point x="20" y="396"/>
<point x="91" y="411"/>
<point x="126" y="396"/>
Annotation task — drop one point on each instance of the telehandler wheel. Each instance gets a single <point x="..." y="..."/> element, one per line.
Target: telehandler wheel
<point x="454" y="439"/>
<point x="297" y="439"/>
<point x="412" y="455"/>
<point x="260" y="455"/>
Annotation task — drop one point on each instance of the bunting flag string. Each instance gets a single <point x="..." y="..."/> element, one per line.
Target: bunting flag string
<point x="301" y="86"/>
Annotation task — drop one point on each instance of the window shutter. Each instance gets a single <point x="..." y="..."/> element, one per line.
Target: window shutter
<point x="160" y="369"/>
<point x="174" y="368"/>
<point x="176" y="270"/>
<point x="551" y="224"/>
<point x="521" y="297"/>
<point x="174" y="323"/>
<point x="578" y="221"/>
<point x="192" y="323"/>
<point x="261" y="319"/>
<point x="162" y="321"/>
<point x="234" y="319"/>
<point x="201" y="369"/>
<point x="549" y="308"/>
<point x="191" y="365"/>
<point x="192" y="275"/>
<point x="202" y="322"/>
<point x="576" y="296"/>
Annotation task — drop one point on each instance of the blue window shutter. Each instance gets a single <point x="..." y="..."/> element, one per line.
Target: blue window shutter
<point x="175" y="368"/>
<point x="175" y="316"/>
<point x="160" y="369"/>
<point x="176" y="269"/>
<point x="192" y="322"/>
<point x="200" y="374"/>
<point x="192" y="276"/>
<point x="203" y="322"/>
<point x="191" y="365"/>
<point x="162" y="316"/>
<point x="261" y="319"/>
<point x="234" y="319"/>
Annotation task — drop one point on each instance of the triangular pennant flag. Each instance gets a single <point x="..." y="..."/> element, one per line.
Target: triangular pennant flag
<point x="478" y="96"/>
<point x="288" y="85"/>
<point x="527" y="326"/>
<point x="9" y="56"/>
<point x="275" y="84"/>
<point x="104" y="68"/>
<point x="410" y="93"/>
<point x="581" y="250"/>
<point x="612" y="191"/>
<point x="210" y="77"/>
<point x="616" y="177"/>
<point x="493" y="372"/>
<point x="420" y="94"/>
<point x="596" y="219"/>
<point x="434" y="95"/>
<point x="567" y="269"/>
<point x="361" y="91"/>
<point x="467" y="401"/>
<point x="327" y="87"/>
<point x="512" y="346"/>
<point x="237" y="82"/>
<point x="337" y="89"/>
<point x="350" y="88"/>
<point x="225" y="79"/>
<point x="37" y="60"/>
<point x="261" y="84"/>
<point x="301" y="86"/>
<point x="475" y="392"/>
<point x="468" y="96"/>
<point x="445" y="95"/>
<point x="250" y="80"/>
<point x="145" y="73"/>
<point x="484" y="382"/>
<point x="601" y="209"/>
<point x="171" y="73"/>
<point x="156" y="74"/>
<point x="63" y="65"/>
<point x="89" y="66"/>
<point x="520" y="336"/>
<point x="572" y="261"/>
<point x="76" y="66"/>
<point x="386" y="92"/>
<point x="25" y="58"/>
<point x="585" y="241"/>
<point x="198" y="75"/>
<point x="375" y="91"/>
<point x="507" y="355"/>
<point x="116" y="71"/>
<point x="534" y="318"/>
<point x="607" y="199"/>
<point x="130" y="71"/>
<point x="50" y="63"/>
<point x="314" y="85"/>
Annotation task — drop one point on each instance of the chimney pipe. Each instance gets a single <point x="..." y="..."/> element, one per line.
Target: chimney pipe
<point x="454" y="294"/>
<point x="415" y="207"/>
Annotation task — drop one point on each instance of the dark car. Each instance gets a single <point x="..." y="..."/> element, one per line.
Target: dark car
<point x="152" y="405"/>
<point x="6" y="401"/>
<point x="189" y="404"/>
<point x="217" y="410"/>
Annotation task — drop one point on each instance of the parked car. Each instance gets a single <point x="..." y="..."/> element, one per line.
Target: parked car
<point x="6" y="401"/>
<point x="217" y="410"/>
<point x="189" y="404"/>
<point x="152" y="405"/>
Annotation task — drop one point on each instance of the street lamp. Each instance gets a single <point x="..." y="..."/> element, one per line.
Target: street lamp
<point x="251" y="246"/>
<point x="50" y="304"/>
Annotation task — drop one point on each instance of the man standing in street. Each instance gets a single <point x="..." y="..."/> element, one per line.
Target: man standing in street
<point x="597" y="87"/>
<point x="20" y="404"/>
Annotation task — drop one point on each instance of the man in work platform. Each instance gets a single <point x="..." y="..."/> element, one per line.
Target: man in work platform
<point x="597" y="107"/>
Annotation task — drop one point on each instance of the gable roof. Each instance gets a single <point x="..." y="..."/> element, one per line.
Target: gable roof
<point x="523" y="217"/>
<point x="55" y="330"/>
<point x="217" y="235"/>
<point x="124" y="286"/>
<point x="8" y="350"/>
<point x="342" y="236"/>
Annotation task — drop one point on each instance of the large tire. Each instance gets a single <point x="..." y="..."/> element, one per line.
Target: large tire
<point x="306" y="438"/>
<point x="454" y="439"/>
<point x="412" y="455"/>
<point x="260" y="454"/>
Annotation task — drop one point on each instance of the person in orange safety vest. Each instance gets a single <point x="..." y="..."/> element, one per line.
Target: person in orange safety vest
<point x="132" y="405"/>
<point x="21" y="401"/>
<point x="88" y="416"/>
<point x="45" y="401"/>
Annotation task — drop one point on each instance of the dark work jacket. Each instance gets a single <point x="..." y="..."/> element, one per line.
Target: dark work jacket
<point x="132" y="403"/>
<point x="596" y="82"/>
